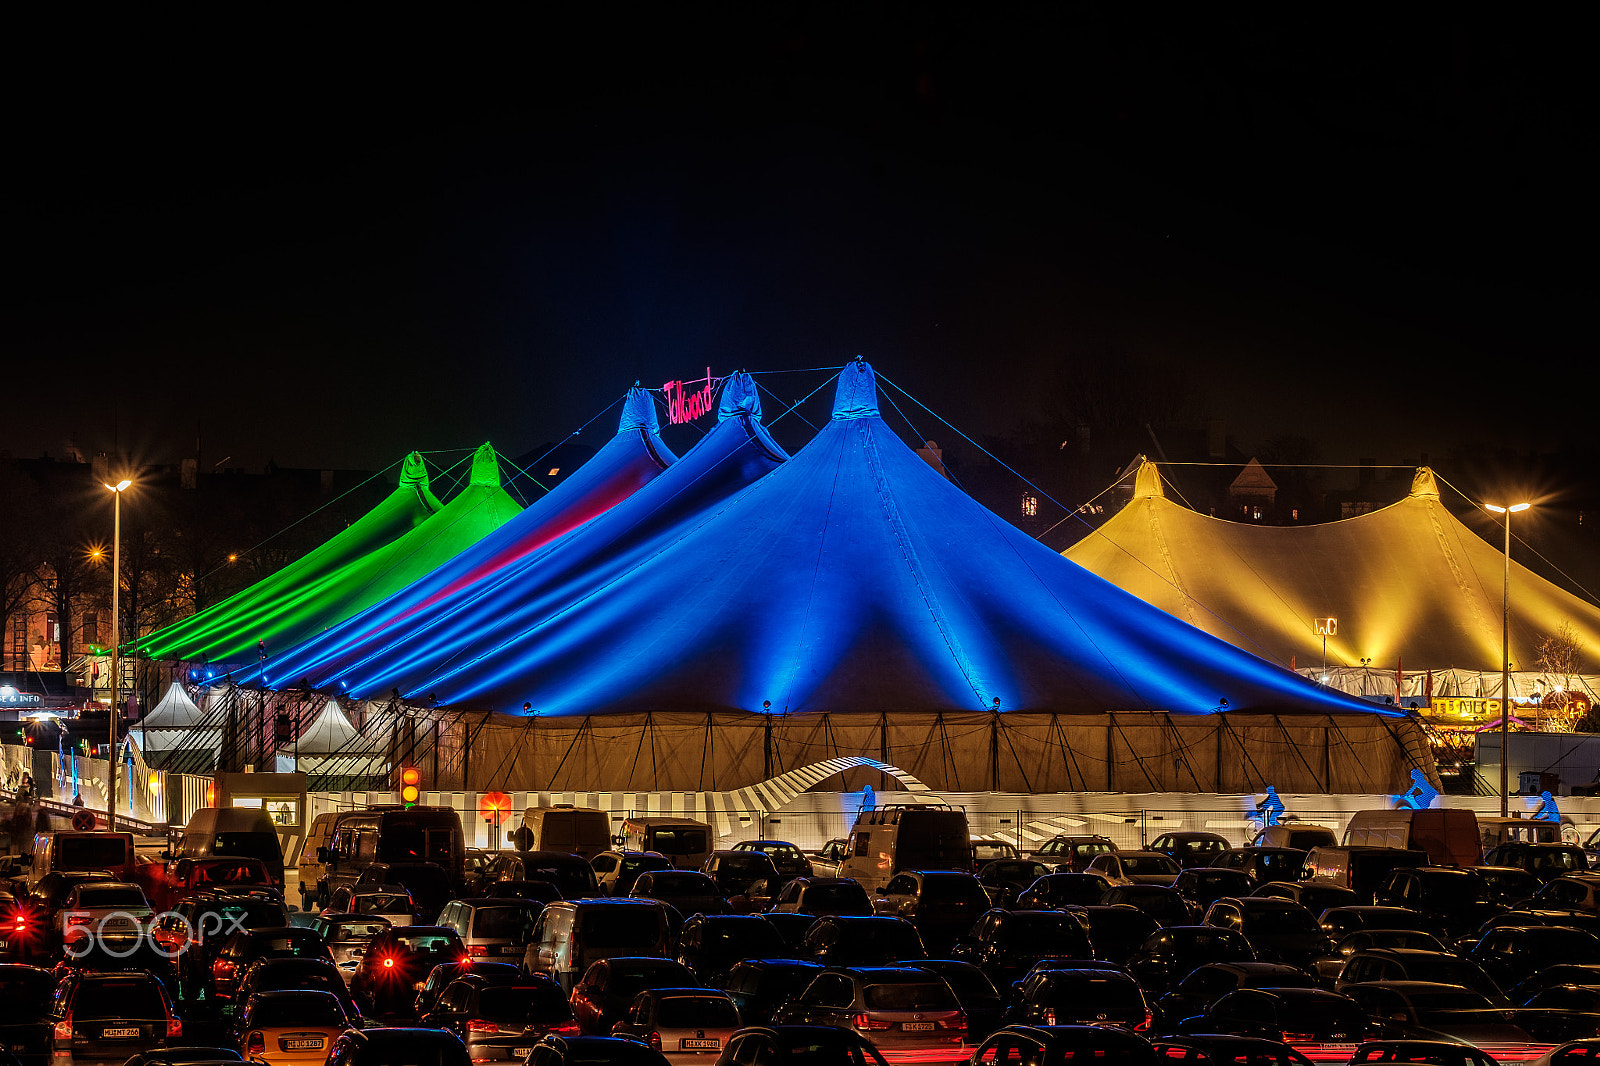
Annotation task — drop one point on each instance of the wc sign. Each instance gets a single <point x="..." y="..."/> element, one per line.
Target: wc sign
<point x="690" y="400"/>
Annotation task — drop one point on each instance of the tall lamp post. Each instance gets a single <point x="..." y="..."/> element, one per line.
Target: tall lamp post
<point x="116" y="641"/>
<point x="1505" y="664"/>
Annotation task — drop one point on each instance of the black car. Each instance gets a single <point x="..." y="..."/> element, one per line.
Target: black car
<point x="24" y="1001"/>
<point x="735" y="871"/>
<point x="1215" y="1049"/>
<point x="397" y="961"/>
<point x="1168" y="955"/>
<point x="1003" y="880"/>
<point x="571" y="874"/>
<point x="1511" y="954"/>
<point x="384" y="1047"/>
<point x="607" y="988"/>
<point x="1006" y="944"/>
<point x="711" y="943"/>
<point x="1279" y="930"/>
<point x="1314" y="896"/>
<point x="1554" y="977"/>
<point x="496" y="1015"/>
<point x="112" y="1015"/>
<point x="980" y="1000"/>
<point x="1454" y="900"/>
<point x="1205" y="885"/>
<point x="537" y="891"/>
<point x="1509" y="886"/>
<point x="839" y="940"/>
<point x="688" y="891"/>
<point x="1429" y="1052"/>
<point x="1082" y="997"/>
<point x="1054" y="891"/>
<point x="1163" y="904"/>
<point x="248" y="945"/>
<point x="1314" y="1022"/>
<point x="428" y="883"/>
<point x="1263" y="864"/>
<point x="280" y="975"/>
<point x="1411" y="964"/>
<point x="942" y="904"/>
<point x="797" y="1045"/>
<point x="788" y="860"/>
<point x="792" y="926"/>
<point x="1190" y="848"/>
<point x="1205" y="984"/>
<point x="1116" y="932"/>
<point x="1056" y="1045"/>
<point x="758" y="986"/>
<point x="1339" y="922"/>
<point x="442" y="975"/>
<point x="1544" y="861"/>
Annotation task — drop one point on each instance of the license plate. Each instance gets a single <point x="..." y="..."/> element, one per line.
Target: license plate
<point x="521" y="1052"/>
<point x="303" y="1045"/>
<point x="699" y="1045"/>
<point x="917" y="1027"/>
<point x="4" y="944"/>
<point x="113" y="1034"/>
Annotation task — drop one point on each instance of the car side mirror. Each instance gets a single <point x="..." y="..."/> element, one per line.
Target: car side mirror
<point x="323" y="855"/>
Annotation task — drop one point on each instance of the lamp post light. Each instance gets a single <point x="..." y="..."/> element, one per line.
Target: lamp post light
<point x="1505" y="665"/>
<point x="116" y="640"/>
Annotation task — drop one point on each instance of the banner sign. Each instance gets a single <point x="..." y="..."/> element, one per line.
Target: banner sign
<point x="10" y="697"/>
<point x="686" y="406"/>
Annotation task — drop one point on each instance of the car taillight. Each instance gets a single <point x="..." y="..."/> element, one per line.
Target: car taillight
<point x="1149" y="1020"/>
<point x="256" y="1044"/>
<point x="565" y="1029"/>
<point x="174" y="1028"/>
<point x="222" y="968"/>
<point x="1049" y="1016"/>
<point x="1299" y="1038"/>
<point x="866" y="1021"/>
<point x="478" y="1025"/>
<point x="958" y="1022"/>
<point x="477" y="949"/>
<point x="655" y="1040"/>
<point x="64" y="1029"/>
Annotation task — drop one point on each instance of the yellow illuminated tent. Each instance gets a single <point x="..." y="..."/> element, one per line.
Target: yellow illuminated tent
<point x="1409" y="584"/>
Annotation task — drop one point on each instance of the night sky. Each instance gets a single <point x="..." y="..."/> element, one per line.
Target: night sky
<point x="327" y="244"/>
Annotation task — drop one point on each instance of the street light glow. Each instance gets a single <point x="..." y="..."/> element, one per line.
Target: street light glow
<point x="1514" y="508"/>
<point x="119" y="486"/>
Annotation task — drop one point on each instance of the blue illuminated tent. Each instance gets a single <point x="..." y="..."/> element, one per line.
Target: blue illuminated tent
<point x="852" y="578"/>
<point x="450" y="617"/>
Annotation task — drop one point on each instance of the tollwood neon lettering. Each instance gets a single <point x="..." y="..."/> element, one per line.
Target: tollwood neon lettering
<point x="684" y="406"/>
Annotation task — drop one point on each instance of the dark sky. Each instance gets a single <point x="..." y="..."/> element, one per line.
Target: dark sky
<point x="328" y="244"/>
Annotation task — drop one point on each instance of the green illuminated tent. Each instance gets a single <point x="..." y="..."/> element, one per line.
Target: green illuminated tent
<point x="228" y="632"/>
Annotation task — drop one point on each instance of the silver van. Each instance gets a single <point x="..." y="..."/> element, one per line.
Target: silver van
<point x="573" y="933"/>
<point x="914" y="837"/>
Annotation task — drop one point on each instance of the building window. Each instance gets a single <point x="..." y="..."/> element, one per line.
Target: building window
<point x="1030" y="506"/>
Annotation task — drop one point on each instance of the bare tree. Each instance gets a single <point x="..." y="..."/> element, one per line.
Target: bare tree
<point x="1558" y="661"/>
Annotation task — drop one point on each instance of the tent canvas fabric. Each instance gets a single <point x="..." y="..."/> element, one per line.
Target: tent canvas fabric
<point x="423" y="634"/>
<point x="174" y="711"/>
<point x="854" y="578"/>
<point x="631" y="459"/>
<point x="330" y="733"/>
<point x="221" y="633"/>
<point x="1410" y="584"/>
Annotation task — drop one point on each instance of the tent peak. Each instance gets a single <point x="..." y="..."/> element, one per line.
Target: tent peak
<point x="413" y="471"/>
<point x="1147" y="481"/>
<point x="739" y="398"/>
<point x="1423" y="485"/>
<point x="485" y="467"/>
<point x="857" y="396"/>
<point x="638" y="412"/>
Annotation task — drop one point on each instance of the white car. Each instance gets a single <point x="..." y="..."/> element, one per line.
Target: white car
<point x="101" y="907"/>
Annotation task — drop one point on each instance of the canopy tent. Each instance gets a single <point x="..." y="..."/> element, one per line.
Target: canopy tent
<point x="330" y="733"/>
<point x="852" y="578"/>
<point x="447" y="617"/>
<point x="174" y="711"/>
<point x="223" y="633"/>
<point x="1409" y="584"/>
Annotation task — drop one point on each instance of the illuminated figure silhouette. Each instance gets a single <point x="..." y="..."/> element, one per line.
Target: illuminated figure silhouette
<point x="1547" y="809"/>
<point x="1420" y="795"/>
<point x="1270" y="808"/>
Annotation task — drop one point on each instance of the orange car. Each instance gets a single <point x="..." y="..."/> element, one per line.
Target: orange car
<point x="290" y="1027"/>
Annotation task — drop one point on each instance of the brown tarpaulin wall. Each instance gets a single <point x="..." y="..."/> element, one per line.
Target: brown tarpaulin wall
<point x="1010" y="752"/>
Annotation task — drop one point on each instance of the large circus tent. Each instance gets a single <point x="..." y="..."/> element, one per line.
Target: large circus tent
<point x="743" y="611"/>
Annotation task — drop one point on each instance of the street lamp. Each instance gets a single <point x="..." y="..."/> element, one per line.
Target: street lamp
<point x="116" y="640"/>
<point x="1505" y="666"/>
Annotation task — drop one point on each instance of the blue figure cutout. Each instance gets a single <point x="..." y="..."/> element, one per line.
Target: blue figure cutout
<point x="1420" y="795"/>
<point x="1270" y="808"/>
<point x="867" y="799"/>
<point x="1547" y="811"/>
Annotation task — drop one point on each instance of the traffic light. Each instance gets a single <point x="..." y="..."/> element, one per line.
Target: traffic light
<point x="410" y="786"/>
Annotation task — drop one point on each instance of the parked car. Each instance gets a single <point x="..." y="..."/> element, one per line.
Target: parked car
<point x="1170" y="954"/>
<point x="735" y="871"/>
<point x="314" y="975"/>
<point x="1544" y="861"/>
<point x="1320" y="1025"/>
<point x="384" y="1047"/>
<point x="942" y="904"/>
<point x="393" y="903"/>
<point x="1066" y="853"/>
<point x="1278" y="929"/>
<point x="686" y="1025"/>
<point x="1263" y="864"/>
<point x="385" y="981"/>
<point x="112" y="1015"/>
<point x="616" y="871"/>
<point x="492" y="928"/>
<point x="1063" y="890"/>
<point x="1510" y="954"/>
<point x="602" y="996"/>
<point x="98" y="908"/>
<point x="789" y="860"/>
<point x="1158" y="901"/>
<point x="1314" y="896"/>
<point x="1204" y="885"/>
<point x="1331" y="965"/>
<point x="1116" y="932"/>
<point x="445" y="973"/>
<point x="1209" y="982"/>
<point x="572" y="874"/>
<point x="289" y="1027"/>
<point x="797" y="1045"/>
<point x="688" y="891"/>
<point x="1005" y="944"/>
<point x="1190" y="848"/>
<point x="758" y="986"/>
<point x="980" y="1000"/>
<point x="839" y="940"/>
<point x="496" y="1016"/>
<point x="1053" y="1044"/>
<point x="1508" y="886"/>
<point x="1003" y="880"/>
<point x="897" y="1008"/>
<point x="1082" y="997"/>
<point x="25" y="993"/>
<point x="1135" y="868"/>
<point x="347" y="936"/>
<point x="247" y="945"/>
<point x="1433" y="1052"/>
<point x="1340" y="921"/>
<point x="709" y="945"/>
<point x="821" y="896"/>
<point x="986" y="851"/>
<point x="428" y="883"/>
<point x="1416" y="964"/>
<point x="1215" y="1049"/>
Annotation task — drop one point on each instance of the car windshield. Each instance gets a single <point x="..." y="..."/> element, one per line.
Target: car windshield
<point x="752" y="939"/>
<point x="318" y="1009"/>
<point x="226" y="873"/>
<point x="90" y="852"/>
<point x="831" y="897"/>
<point x="1090" y="993"/>
<point x="311" y="944"/>
<point x="426" y="941"/>
<point x="1149" y="864"/>
<point x="1428" y="1002"/>
<point x="633" y="930"/>
<point x="1556" y="859"/>
<point x="517" y="1002"/>
<point x="1284" y="920"/>
<point x="357" y="930"/>
<point x="787" y="852"/>
<point x="1045" y="933"/>
<point x="383" y="903"/>
<point x="251" y="914"/>
<point x="121" y="997"/>
<point x="907" y="995"/>
<point x="641" y="863"/>
<point x="696" y="1012"/>
<point x="263" y="846"/>
<point x="111" y="896"/>
<point x="503" y="921"/>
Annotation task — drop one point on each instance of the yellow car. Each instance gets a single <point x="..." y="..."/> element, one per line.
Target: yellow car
<point x="289" y="1027"/>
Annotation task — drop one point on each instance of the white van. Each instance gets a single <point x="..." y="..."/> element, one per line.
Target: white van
<point x="577" y="830"/>
<point x="919" y="837"/>
<point x="247" y="832"/>
<point x="1448" y="834"/>
<point x="683" y="840"/>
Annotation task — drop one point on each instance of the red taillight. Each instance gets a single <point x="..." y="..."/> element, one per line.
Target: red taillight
<point x="477" y="949"/>
<point x="1149" y="1020"/>
<point x="222" y="968"/>
<point x="478" y="1025"/>
<point x="1049" y="1016"/>
<point x="655" y="1040"/>
<point x="174" y="1028"/>
<point x="958" y="1022"/>
<point x="866" y="1021"/>
<point x="565" y="1029"/>
<point x="388" y="962"/>
<point x="256" y="1044"/>
<point x="64" y="1029"/>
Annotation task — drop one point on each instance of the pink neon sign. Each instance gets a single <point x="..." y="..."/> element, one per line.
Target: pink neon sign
<point x="685" y="406"/>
